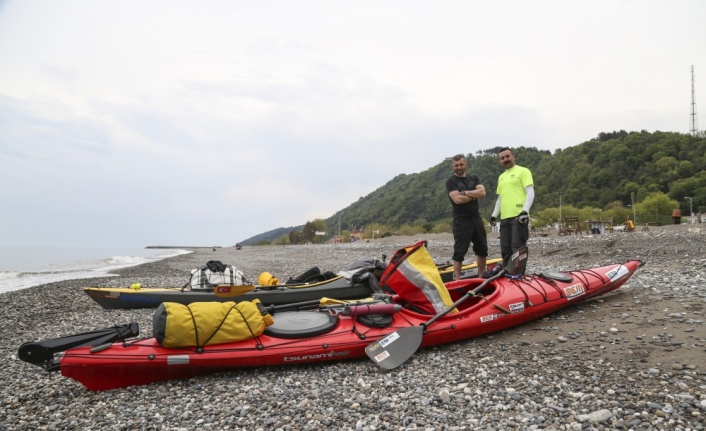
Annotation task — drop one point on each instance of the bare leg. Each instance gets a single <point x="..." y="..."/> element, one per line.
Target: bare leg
<point x="481" y="265"/>
<point x="457" y="270"/>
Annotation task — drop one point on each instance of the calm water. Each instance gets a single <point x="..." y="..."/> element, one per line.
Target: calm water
<point x="22" y="267"/>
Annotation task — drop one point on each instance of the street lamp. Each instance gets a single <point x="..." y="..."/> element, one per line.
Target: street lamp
<point x="691" y="213"/>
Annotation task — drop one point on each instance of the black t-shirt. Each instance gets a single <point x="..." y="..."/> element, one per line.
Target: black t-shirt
<point x="467" y="183"/>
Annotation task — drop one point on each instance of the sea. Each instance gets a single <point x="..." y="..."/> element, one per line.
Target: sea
<point x="23" y="266"/>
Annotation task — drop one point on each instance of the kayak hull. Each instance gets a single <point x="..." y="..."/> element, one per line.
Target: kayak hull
<point x="123" y="298"/>
<point x="112" y="298"/>
<point x="502" y="304"/>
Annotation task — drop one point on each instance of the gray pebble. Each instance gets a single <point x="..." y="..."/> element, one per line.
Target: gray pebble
<point x="634" y="360"/>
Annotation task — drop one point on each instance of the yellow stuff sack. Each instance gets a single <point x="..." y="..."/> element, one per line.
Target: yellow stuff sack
<point x="204" y="323"/>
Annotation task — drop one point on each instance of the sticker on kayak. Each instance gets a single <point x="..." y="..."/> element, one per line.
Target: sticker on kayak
<point x="517" y="308"/>
<point x="616" y="273"/>
<point x="382" y="356"/>
<point x="389" y="339"/>
<point x="574" y="290"/>
<point x="489" y="318"/>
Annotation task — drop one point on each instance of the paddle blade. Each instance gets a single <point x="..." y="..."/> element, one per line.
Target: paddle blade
<point x="518" y="261"/>
<point x="227" y="291"/>
<point x="392" y="351"/>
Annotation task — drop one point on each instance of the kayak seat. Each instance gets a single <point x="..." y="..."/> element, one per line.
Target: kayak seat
<point x="314" y="275"/>
<point x="458" y="292"/>
<point x="301" y="324"/>
<point x="313" y="272"/>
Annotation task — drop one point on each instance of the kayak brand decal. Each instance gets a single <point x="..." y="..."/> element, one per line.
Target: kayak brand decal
<point x="574" y="290"/>
<point x="140" y="298"/>
<point x="517" y="308"/>
<point x="616" y="273"/>
<point x="319" y="356"/>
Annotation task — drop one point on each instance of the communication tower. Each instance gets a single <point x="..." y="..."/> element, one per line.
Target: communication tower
<point x="694" y="129"/>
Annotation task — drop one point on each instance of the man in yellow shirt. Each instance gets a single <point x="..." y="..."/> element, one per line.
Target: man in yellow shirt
<point x="515" y="196"/>
<point x="629" y="225"/>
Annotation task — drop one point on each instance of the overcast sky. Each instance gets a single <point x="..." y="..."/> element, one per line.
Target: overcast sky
<point x="200" y="123"/>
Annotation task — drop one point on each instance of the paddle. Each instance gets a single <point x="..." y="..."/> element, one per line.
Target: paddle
<point x="518" y="263"/>
<point x="393" y="350"/>
<point x="359" y="308"/>
<point x="227" y="291"/>
<point x="362" y="309"/>
<point x="42" y="352"/>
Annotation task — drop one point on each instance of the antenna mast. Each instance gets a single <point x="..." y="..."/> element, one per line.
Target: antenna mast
<point x="694" y="129"/>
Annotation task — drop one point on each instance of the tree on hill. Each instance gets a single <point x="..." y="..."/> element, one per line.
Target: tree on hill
<point x="657" y="208"/>
<point x="598" y="174"/>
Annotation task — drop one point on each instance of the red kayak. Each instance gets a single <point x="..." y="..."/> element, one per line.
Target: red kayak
<point x="328" y="334"/>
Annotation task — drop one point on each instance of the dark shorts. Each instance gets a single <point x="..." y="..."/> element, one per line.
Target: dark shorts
<point x="467" y="231"/>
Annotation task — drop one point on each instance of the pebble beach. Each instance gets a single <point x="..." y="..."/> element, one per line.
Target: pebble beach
<point x="634" y="359"/>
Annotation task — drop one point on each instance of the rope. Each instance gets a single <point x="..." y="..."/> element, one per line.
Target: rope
<point x="196" y="328"/>
<point x="199" y="346"/>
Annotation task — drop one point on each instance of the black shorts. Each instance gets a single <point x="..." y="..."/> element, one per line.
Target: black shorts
<point x="467" y="231"/>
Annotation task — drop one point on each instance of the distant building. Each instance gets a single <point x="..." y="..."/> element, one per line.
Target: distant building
<point x="357" y="235"/>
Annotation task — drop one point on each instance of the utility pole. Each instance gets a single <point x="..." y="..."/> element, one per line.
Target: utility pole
<point x="632" y="201"/>
<point x="694" y="129"/>
<point x="691" y="211"/>
<point x="372" y="223"/>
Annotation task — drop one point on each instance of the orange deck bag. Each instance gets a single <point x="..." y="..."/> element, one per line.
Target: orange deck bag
<point x="204" y="323"/>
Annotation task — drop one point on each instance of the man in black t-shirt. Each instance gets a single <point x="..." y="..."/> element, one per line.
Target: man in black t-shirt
<point x="464" y="192"/>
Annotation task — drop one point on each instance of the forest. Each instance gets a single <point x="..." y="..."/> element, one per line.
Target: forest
<point x="638" y="174"/>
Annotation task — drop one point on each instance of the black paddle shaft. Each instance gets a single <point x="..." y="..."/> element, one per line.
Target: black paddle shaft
<point x="462" y="299"/>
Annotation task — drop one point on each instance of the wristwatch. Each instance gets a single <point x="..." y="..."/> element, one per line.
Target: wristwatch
<point x="463" y="192"/>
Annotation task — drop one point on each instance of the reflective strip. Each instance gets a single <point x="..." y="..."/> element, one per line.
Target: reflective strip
<point x="177" y="359"/>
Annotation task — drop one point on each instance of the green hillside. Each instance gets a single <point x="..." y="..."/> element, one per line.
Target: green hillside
<point x="606" y="176"/>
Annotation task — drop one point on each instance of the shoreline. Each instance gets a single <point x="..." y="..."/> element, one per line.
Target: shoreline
<point x="638" y="349"/>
